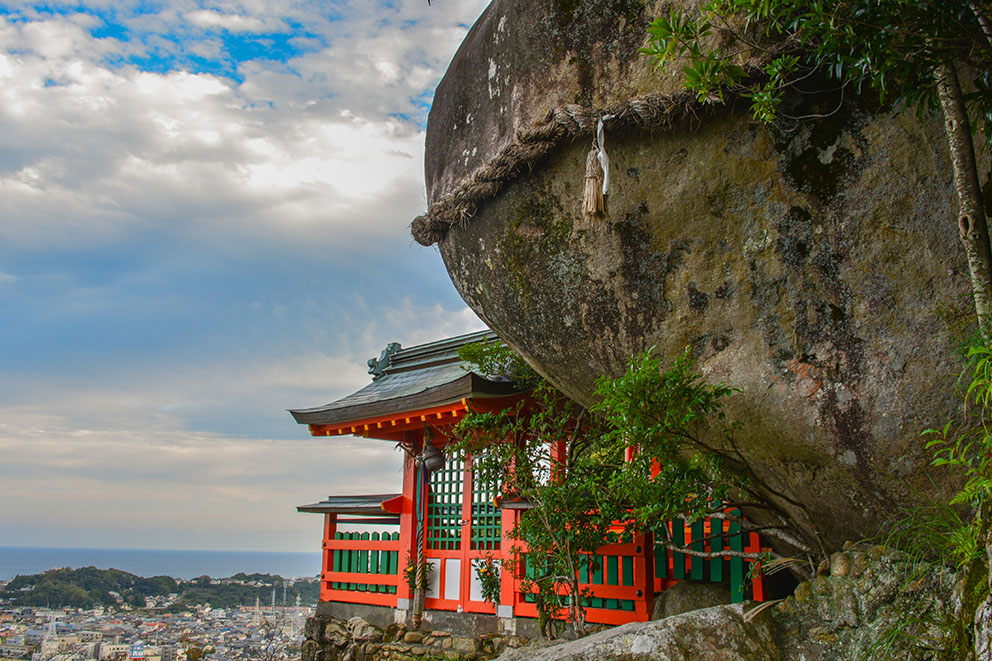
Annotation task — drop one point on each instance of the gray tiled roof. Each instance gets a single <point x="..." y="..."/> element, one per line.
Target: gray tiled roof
<point x="362" y="505"/>
<point x="417" y="377"/>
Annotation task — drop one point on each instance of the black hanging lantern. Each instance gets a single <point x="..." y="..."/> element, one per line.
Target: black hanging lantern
<point x="432" y="457"/>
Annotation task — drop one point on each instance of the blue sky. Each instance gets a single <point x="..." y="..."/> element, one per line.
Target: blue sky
<point x="203" y="222"/>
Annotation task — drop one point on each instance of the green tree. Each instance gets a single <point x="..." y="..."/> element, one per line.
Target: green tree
<point x="685" y="462"/>
<point x="912" y="52"/>
<point x="538" y="454"/>
<point x="571" y="469"/>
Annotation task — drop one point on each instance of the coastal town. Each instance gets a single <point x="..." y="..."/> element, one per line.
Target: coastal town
<point x="272" y="631"/>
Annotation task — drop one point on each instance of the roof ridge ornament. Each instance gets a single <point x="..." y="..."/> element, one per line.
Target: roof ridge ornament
<point x="377" y="368"/>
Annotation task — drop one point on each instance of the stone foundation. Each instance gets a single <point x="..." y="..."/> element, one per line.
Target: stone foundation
<point x="332" y="639"/>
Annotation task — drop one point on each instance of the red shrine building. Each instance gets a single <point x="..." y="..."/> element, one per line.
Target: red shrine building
<point x="415" y="398"/>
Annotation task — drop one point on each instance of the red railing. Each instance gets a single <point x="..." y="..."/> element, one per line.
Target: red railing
<point x="361" y="568"/>
<point x="619" y="589"/>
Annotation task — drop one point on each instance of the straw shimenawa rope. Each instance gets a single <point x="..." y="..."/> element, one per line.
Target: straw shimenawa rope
<point x="532" y="144"/>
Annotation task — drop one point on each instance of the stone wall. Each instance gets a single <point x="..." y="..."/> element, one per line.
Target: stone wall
<point x="332" y="639"/>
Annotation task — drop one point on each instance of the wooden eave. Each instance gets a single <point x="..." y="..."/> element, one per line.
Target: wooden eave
<point x="376" y="505"/>
<point x="391" y="427"/>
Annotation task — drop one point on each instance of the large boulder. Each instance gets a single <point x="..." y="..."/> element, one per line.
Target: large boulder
<point x="813" y="265"/>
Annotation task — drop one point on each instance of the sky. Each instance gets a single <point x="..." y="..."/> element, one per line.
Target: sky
<point x="204" y="212"/>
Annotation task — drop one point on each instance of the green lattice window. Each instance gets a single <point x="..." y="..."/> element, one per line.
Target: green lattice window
<point x="486" y="524"/>
<point x="444" y="506"/>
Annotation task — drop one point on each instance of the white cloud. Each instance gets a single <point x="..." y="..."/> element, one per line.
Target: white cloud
<point x="90" y="148"/>
<point x="127" y="196"/>
<point x="231" y="22"/>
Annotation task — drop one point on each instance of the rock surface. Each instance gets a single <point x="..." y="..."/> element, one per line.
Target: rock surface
<point x="687" y="596"/>
<point x="875" y="603"/>
<point x="814" y="266"/>
<point x="870" y="603"/>
<point x="881" y="606"/>
<point x="718" y="632"/>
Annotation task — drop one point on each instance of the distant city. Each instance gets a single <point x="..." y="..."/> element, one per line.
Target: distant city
<point x="135" y="626"/>
<point x="22" y="560"/>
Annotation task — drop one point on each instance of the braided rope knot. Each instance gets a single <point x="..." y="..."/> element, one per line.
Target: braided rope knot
<point x="534" y="143"/>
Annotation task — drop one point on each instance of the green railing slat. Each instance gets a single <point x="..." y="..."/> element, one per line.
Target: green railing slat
<point x="337" y="563"/>
<point x="598" y="579"/>
<point x="363" y="561"/>
<point x="660" y="561"/>
<point x="697" y="544"/>
<point x="678" y="559"/>
<point x="612" y="576"/>
<point x="394" y="562"/>
<point x="374" y="562"/>
<point x="627" y="570"/>
<point x="716" y="545"/>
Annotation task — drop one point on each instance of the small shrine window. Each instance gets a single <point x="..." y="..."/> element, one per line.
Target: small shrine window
<point x="444" y="506"/>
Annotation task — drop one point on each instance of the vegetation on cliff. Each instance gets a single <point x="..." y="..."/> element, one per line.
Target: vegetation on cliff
<point x="89" y="587"/>
<point x="656" y="448"/>
<point x="912" y="52"/>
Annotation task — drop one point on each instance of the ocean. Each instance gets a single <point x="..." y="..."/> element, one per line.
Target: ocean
<point x="16" y="560"/>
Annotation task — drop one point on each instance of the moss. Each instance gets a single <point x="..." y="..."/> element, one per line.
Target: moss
<point x="815" y="160"/>
<point x="535" y="237"/>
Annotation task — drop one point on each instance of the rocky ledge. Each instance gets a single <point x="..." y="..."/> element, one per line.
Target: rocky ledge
<point x="866" y="603"/>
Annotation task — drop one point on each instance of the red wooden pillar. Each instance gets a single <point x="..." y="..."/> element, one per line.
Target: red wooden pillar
<point x="408" y="516"/>
<point x="327" y="556"/>
<point x="468" y="486"/>
<point x="507" y="521"/>
<point x="644" y="576"/>
<point x="757" y="582"/>
<point x="558" y="459"/>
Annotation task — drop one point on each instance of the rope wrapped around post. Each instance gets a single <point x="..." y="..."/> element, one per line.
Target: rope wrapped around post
<point x="649" y="112"/>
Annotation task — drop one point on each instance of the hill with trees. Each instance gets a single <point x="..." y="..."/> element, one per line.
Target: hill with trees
<point x="89" y="587"/>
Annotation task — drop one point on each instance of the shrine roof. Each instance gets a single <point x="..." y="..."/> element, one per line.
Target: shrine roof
<point x="410" y="379"/>
<point x="368" y="505"/>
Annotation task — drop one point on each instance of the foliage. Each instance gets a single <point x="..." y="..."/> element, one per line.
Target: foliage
<point x="686" y="464"/>
<point x="488" y="574"/>
<point x="542" y="460"/>
<point x="664" y="414"/>
<point x="969" y="450"/>
<point x="410" y="572"/>
<point x="895" y="47"/>
<point x="494" y="359"/>
<point x="568" y="467"/>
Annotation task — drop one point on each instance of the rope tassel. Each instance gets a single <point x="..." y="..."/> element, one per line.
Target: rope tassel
<point x="597" y="175"/>
<point x="593" y="204"/>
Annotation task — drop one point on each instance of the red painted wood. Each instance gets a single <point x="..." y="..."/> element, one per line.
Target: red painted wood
<point x="644" y="575"/>
<point x="360" y="577"/>
<point x="508" y="520"/>
<point x="330" y="528"/>
<point x="408" y="521"/>
<point x="394" y="505"/>
<point x="614" y="617"/>
<point x="347" y="596"/>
